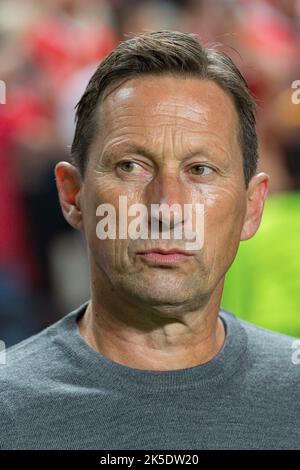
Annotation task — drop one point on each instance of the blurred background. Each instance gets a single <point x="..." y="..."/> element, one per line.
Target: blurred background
<point x="48" y="51"/>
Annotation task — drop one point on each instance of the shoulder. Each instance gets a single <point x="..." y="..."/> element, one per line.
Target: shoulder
<point x="270" y="344"/>
<point x="32" y="372"/>
<point x="273" y="358"/>
<point x="22" y="374"/>
<point x="35" y="360"/>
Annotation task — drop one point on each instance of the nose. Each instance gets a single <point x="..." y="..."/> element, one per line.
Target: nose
<point x="167" y="191"/>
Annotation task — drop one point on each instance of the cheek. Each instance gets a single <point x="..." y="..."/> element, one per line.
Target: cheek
<point x="223" y="221"/>
<point x="110" y="253"/>
<point x="113" y="253"/>
<point x="225" y="208"/>
<point x="111" y="256"/>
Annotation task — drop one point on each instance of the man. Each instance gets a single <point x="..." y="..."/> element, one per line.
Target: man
<point x="152" y="361"/>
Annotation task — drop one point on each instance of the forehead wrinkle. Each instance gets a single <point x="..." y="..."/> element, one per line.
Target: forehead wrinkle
<point x="181" y="138"/>
<point x="184" y="111"/>
<point x="153" y="120"/>
<point x="208" y="122"/>
<point x="114" y="116"/>
<point x="192" y="104"/>
<point x="167" y="140"/>
<point x="194" y="147"/>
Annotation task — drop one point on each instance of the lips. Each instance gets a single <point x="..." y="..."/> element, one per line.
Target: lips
<point x="162" y="256"/>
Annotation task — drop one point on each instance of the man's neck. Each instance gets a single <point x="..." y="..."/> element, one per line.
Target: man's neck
<point x="161" y="343"/>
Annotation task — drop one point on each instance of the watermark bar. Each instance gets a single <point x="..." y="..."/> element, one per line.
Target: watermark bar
<point x="159" y="222"/>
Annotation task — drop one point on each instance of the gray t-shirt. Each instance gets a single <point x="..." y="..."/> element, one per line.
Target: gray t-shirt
<point x="56" y="392"/>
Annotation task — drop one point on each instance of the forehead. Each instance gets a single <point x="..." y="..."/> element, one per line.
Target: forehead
<point x="188" y="103"/>
<point x="186" y="98"/>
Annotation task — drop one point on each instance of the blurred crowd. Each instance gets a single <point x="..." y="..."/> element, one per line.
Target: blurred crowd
<point x="48" y="51"/>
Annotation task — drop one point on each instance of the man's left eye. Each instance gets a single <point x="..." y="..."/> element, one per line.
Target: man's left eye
<point x="201" y="170"/>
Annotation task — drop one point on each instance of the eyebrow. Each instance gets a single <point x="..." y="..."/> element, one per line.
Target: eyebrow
<point x="142" y="150"/>
<point x="129" y="148"/>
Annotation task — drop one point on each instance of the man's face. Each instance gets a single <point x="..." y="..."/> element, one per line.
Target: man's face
<point x="189" y="128"/>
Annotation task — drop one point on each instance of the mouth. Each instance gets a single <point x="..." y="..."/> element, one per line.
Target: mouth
<point x="164" y="257"/>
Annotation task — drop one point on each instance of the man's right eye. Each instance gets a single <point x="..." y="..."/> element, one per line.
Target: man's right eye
<point x="128" y="166"/>
<point x="135" y="169"/>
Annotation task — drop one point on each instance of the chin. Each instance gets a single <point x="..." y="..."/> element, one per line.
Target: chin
<point x="166" y="299"/>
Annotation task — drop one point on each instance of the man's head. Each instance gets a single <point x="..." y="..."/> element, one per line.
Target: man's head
<point x="165" y="53"/>
<point x="158" y="109"/>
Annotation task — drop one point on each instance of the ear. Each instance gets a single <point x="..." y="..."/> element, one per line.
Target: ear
<point x="256" y="194"/>
<point x="69" y="185"/>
